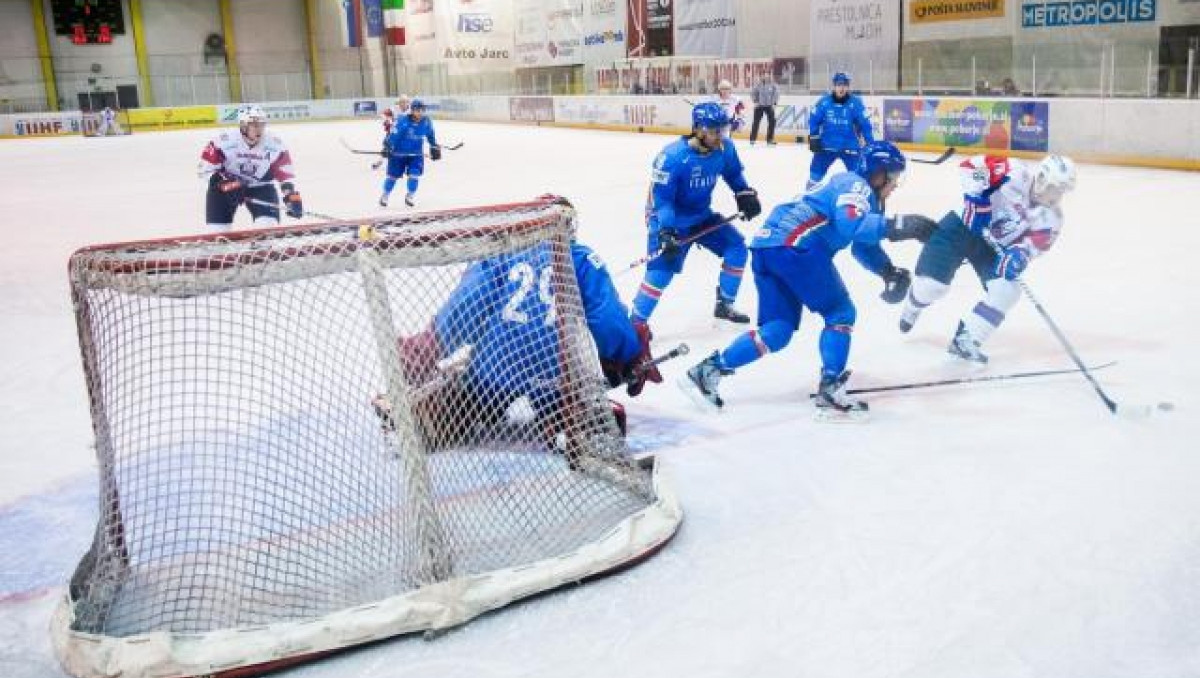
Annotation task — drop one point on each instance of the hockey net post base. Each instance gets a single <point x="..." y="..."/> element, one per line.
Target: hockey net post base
<point x="255" y="511"/>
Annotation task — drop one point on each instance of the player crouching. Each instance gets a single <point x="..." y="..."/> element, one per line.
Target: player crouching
<point x="499" y="340"/>
<point x="242" y="168"/>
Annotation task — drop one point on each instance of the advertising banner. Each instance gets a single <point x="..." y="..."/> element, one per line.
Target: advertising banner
<point x="930" y="11"/>
<point x="1058" y="13"/>
<point x="859" y="37"/>
<point x="529" y="33"/>
<point x="966" y="123"/>
<point x="603" y="30"/>
<point x="531" y="109"/>
<point x="420" y="32"/>
<point x="673" y="75"/>
<point x="705" y="28"/>
<point x="176" y="117"/>
<point x="474" y="36"/>
<point x="650" y="28"/>
<point x="564" y="32"/>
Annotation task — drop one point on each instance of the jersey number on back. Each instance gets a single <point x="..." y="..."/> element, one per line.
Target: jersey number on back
<point x="525" y="277"/>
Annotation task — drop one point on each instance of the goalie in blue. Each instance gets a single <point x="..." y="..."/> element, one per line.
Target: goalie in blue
<point x="497" y="340"/>
<point x="793" y="269"/>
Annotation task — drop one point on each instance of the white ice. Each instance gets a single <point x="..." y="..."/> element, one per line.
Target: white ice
<point x="1007" y="530"/>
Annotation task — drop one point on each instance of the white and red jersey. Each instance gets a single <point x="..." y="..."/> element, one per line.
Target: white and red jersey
<point x="734" y="109"/>
<point x="1017" y="219"/>
<point x="266" y="161"/>
<point x="388" y="120"/>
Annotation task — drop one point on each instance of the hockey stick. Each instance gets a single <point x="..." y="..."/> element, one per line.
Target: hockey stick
<point x="680" y="350"/>
<point x="642" y="261"/>
<point x="307" y="213"/>
<point x="1112" y="405"/>
<point x="359" y="151"/>
<point x="946" y="154"/>
<point x="969" y="380"/>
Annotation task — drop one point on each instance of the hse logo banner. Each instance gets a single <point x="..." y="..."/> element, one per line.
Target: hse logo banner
<point x="929" y="11"/>
<point x="475" y="23"/>
<point x="1043" y="14"/>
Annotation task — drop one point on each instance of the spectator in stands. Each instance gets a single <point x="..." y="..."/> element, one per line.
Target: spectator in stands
<point x="1009" y="88"/>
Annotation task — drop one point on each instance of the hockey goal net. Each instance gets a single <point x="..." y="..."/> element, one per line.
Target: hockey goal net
<point x="100" y="124"/>
<point x="311" y="438"/>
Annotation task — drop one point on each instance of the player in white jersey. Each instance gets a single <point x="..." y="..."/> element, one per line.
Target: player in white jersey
<point x="732" y="104"/>
<point x="108" y="123"/>
<point x="1011" y="214"/>
<point x="242" y="168"/>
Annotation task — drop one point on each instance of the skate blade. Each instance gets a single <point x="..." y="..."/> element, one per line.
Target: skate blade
<point x="689" y="389"/>
<point x="829" y="415"/>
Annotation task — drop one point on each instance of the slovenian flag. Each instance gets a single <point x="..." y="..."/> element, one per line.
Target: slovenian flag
<point x="393" y="20"/>
<point x="352" y="20"/>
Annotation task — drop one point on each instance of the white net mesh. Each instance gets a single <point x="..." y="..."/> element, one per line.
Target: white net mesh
<point x="293" y="423"/>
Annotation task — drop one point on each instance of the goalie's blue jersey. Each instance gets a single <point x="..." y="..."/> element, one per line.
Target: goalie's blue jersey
<point x="503" y="307"/>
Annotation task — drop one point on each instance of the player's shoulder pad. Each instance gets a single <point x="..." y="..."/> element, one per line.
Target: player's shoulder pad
<point x="660" y="173"/>
<point x="856" y="193"/>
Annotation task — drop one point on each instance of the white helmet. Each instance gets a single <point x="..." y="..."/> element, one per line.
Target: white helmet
<point x="251" y="113"/>
<point x="724" y="84"/>
<point x="1055" y="177"/>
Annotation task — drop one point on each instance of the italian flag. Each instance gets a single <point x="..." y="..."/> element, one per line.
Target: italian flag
<point x="393" y="21"/>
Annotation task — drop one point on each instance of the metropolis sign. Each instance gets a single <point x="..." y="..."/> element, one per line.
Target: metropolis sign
<point x="1046" y="14"/>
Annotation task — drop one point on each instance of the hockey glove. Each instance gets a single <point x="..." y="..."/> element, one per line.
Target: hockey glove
<point x="814" y="143"/>
<point x="895" y="284"/>
<point x="1011" y="263"/>
<point x="435" y="152"/>
<point x="748" y="204"/>
<point x="227" y="183"/>
<point x="291" y="200"/>
<point x="977" y="209"/>
<point x="642" y="369"/>
<point x="910" y="227"/>
<point x="668" y="243"/>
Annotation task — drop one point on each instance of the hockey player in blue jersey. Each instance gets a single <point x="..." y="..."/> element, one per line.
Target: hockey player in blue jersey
<point x="501" y="326"/>
<point x="679" y="212"/>
<point x="838" y="127"/>
<point x="793" y="269"/>
<point x="405" y="149"/>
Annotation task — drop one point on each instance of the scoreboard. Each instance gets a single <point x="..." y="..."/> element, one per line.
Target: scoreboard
<point x="88" y="21"/>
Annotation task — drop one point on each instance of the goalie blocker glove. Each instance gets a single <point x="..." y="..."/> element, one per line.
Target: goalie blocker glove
<point x="637" y="372"/>
<point x="895" y="284"/>
<point x="910" y="227"/>
<point x="291" y="200"/>
<point x="748" y="204"/>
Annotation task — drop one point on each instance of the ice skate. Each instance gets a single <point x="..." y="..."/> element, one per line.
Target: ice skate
<point x="724" y="310"/>
<point x="833" y="404"/>
<point x="383" y="200"/>
<point x="409" y="199"/>
<point x="700" y="383"/>
<point x="964" y="346"/>
<point x="908" y="317"/>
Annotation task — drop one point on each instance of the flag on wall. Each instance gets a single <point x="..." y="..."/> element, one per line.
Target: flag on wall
<point x="393" y="20"/>
<point x="373" y="14"/>
<point x="352" y="22"/>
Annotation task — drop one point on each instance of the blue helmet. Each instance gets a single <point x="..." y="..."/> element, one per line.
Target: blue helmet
<point x="880" y="156"/>
<point x="709" y="115"/>
<point x="841" y="78"/>
<point x="416" y="105"/>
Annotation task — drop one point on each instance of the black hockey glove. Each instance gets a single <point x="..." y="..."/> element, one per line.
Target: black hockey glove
<point x="910" y="227"/>
<point x="386" y="151"/>
<point x="291" y="200"/>
<point x="668" y="243"/>
<point x="435" y="152"/>
<point x="748" y="204"/>
<point x="895" y="284"/>
<point x="225" y="182"/>
<point x="814" y="143"/>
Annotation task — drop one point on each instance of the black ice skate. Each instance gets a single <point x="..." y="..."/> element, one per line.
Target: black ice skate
<point x="832" y="402"/>
<point x="724" y="310"/>
<point x="964" y="346"/>
<point x="700" y="382"/>
<point x="908" y="317"/>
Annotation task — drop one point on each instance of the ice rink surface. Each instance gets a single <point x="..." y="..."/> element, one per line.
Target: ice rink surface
<point x="1006" y="530"/>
